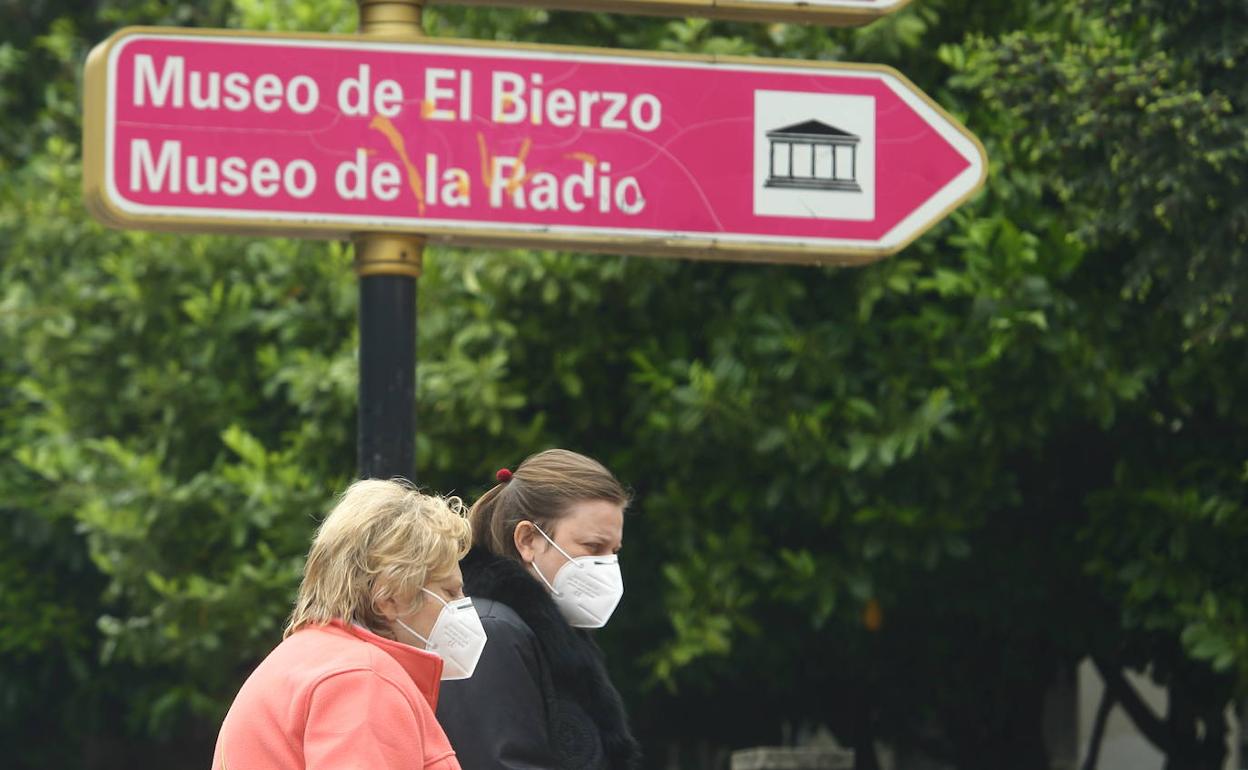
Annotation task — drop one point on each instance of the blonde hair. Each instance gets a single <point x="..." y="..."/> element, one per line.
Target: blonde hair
<point x="540" y="490"/>
<point x="383" y="540"/>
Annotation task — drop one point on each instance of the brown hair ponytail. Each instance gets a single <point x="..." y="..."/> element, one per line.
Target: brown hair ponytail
<point x="540" y="490"/>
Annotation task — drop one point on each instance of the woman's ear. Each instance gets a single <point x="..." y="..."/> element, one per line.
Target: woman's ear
<point x="523" y="536"/>
<point x="388" y="608"/>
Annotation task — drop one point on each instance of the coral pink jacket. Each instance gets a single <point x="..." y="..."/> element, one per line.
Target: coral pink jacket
<point x="339" y="697"/>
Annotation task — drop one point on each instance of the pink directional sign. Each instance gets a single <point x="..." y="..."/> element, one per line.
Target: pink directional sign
<point x="323" y="136"/>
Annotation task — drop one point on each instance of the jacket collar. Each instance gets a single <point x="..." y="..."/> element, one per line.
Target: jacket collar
<point x="576" y="668"/>
<point x="424" y="668"/>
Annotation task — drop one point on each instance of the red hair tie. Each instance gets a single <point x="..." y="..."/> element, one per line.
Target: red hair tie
<point x="503" y="475"/>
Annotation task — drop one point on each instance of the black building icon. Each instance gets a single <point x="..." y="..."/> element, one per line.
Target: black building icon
<point x="813" y="156"/>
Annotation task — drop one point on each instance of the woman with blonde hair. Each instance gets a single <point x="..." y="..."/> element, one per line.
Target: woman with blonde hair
<point x="543" y="569"/>
<point x="380" y="619"/>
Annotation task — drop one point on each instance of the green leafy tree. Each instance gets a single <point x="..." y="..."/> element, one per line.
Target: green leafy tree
<point x="896" y="500"/>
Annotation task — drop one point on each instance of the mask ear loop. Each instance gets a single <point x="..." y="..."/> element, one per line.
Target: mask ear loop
<point x="410" y="630"/>
<point x="533" y="564"/>
<point x="552" y="542"/>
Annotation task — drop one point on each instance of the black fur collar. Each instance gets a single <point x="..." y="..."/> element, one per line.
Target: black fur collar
<point x="576" y="663"/>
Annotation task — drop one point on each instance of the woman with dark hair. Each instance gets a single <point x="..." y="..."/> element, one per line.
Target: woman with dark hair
<point x="543" y="568"/>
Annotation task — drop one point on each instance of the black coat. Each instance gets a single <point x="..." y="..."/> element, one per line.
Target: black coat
<point x="540" y="697"/>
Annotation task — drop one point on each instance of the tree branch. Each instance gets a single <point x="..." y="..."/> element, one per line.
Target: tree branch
<point x="1148" y="723"/>
<point x="1098" y="730"/>
<point x="1213" y="747"/>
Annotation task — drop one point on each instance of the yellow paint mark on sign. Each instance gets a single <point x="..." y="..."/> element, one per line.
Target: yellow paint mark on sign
<point x="382" y="123"/>
<point x="583" y="157"/>
<point x="517" y="181"/>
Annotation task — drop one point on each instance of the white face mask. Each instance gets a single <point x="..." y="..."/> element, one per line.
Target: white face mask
<point x="587" y="589"/>
<point x="457" y="637"/>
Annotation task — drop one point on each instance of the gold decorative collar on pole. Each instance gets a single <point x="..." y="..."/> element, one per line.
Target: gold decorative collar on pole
<point x="377" y="254"/>
<point x="389" y="254"/>
<point x="396" y="18"/>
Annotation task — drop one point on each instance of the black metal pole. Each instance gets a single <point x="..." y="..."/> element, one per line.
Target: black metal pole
<point x="388" y="267"/>
<point x="387" y="422"/>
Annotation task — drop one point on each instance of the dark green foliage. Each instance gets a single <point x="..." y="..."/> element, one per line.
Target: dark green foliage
<point x="1003" y="440"/>
<point x="1140" y="111"/>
